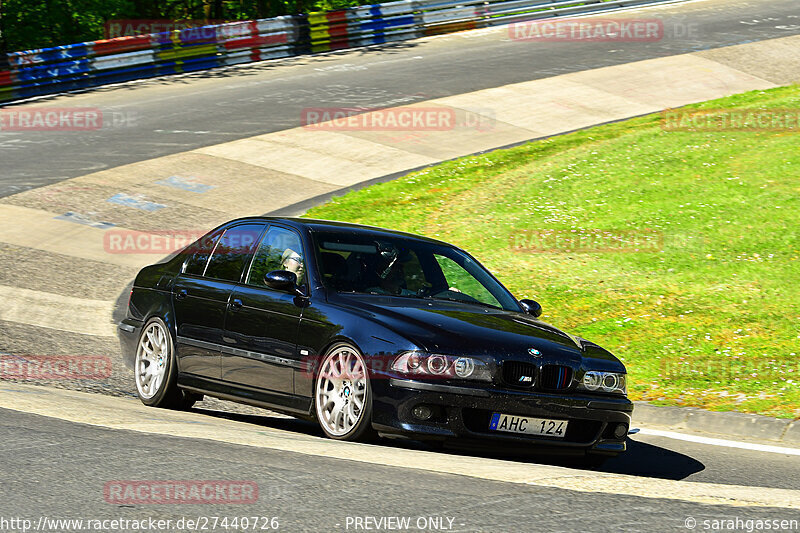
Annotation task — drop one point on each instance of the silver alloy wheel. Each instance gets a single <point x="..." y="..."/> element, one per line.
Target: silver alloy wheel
<point x="341" y="391"/>
<point x="151" y="360"/>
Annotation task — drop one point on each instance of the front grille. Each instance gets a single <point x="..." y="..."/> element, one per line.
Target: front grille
<point x="519" y="374"/>
<point x="555" y="377"/>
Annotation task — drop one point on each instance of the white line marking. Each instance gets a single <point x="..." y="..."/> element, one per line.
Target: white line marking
<point x="720" y="442"/>
<point x="129" y="414"/>
<point x="54" y="311"/>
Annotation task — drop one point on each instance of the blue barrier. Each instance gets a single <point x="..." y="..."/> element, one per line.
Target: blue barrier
<point x="82" y="65"/>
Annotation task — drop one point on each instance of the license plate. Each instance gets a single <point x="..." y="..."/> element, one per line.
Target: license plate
<point x="527" y="425"/>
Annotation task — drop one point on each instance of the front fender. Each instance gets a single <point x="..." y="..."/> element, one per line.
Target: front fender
<point x="324" y="325"/>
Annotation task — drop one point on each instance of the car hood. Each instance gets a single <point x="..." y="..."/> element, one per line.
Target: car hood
<point x="456" y="328"/>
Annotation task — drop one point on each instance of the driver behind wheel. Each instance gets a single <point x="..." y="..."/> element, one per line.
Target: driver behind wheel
<point x="291" y="261"/>
<point x="393" y="283"/>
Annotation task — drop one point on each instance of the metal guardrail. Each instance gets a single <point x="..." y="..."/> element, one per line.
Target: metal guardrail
<point x="90" y="64"/>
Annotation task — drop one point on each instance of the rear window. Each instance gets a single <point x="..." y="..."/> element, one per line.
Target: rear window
<point x="198" y="254"/>
<point x="233" y="252"/>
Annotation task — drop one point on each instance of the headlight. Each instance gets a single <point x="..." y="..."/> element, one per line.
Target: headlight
<point x="464" y="367"/>
<point x="419" y="364"/>
<point x="611" y="382"/>
<point x="437" y="364"/>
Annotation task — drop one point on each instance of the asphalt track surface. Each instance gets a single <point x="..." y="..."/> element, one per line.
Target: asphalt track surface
<point x="58" y="469"/>
<point x="158" y="117"/>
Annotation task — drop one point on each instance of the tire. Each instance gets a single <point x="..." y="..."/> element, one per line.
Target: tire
<point x="343" y="395"/>
<point x="190" y="398"/>
<point x="155" y="370"/>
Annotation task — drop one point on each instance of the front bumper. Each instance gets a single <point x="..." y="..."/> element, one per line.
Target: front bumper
<point x="464" y="413"/>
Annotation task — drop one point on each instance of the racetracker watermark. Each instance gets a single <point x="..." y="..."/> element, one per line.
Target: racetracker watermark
<point x="587" y="30"/>
<point x="587" y="241"/>
<point x="779" y="119"/>
<point x="730" y="369"/>
<point x="141" y="524"/>
<point x="395" y="119"/>
<point x="51" y="367"/>
<point x="134" y="27"/>
<point x="180" y="492"/>
<point x="63" y="119"/>
<point x="123" y="241"/>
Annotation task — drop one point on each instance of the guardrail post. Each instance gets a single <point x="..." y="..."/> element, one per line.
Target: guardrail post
<point x="6" y="80"/>
<point x="337" y="29"/>
<point x="303" y="43"/>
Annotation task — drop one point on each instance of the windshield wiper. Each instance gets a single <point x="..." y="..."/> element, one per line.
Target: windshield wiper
<point x="471" y="302"/>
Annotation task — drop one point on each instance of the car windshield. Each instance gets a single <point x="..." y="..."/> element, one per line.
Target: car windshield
<point x="355" y="262"/>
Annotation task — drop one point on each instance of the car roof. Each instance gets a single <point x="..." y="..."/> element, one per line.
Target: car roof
<point x="327" y="225"/>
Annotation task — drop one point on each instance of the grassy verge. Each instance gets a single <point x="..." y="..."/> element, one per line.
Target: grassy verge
<point x="706" y="313"/>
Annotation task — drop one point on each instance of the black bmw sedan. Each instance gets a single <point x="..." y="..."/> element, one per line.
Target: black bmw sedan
<point x="367" y="331"/>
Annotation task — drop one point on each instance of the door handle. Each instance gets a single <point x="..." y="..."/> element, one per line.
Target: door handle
<point x="236" y="304"/>
<point x="181" y="294"/>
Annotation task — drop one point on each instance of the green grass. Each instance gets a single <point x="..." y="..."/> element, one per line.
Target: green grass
<point x="712" y="319"/>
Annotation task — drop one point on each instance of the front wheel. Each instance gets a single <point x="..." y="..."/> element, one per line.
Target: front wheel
<point x="343" y="395"/>
<point x="156" y="371"/>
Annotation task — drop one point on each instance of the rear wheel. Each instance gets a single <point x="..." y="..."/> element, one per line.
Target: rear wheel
<point x="155" y="370"/>
<point x="343" y="395"/>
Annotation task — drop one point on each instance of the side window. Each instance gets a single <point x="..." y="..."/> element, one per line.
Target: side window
<point x="280" y="249"/>
<point x="198" y="254"/>
<point x="232" y="252"/>
<point x="462" y="285"/>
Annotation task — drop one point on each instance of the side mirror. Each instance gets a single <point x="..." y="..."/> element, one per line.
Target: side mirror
<point x="532" y="307"/>
<point x="281" y="280"/>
